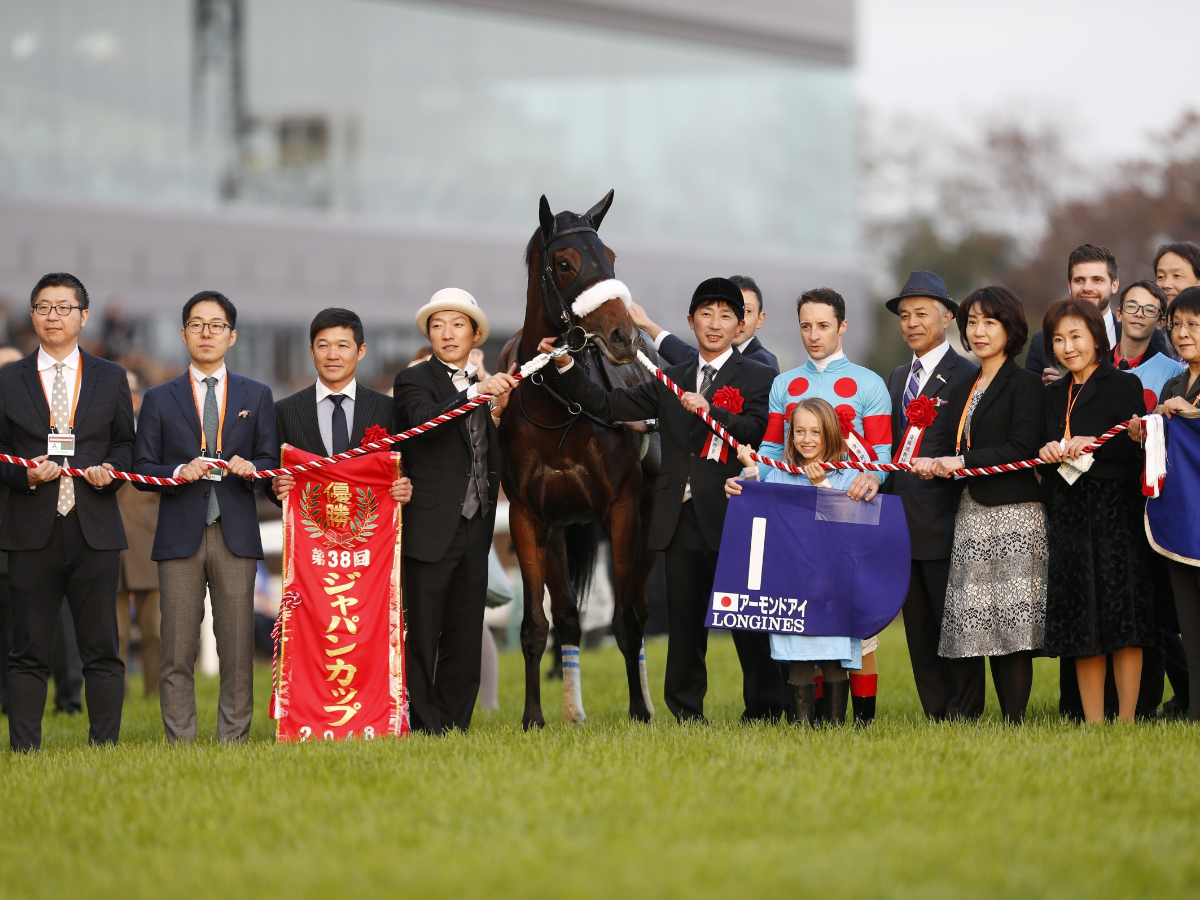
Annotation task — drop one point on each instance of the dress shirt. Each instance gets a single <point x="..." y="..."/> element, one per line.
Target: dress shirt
<point x="930" y="361"/>
<point x="201" y="394"/>
<point x="457" y="374"/>
<point x="1110" y="326"/>
<point x="700" y="364"/>
<point x="70" y="370"/>
<point x="325" y="408"/>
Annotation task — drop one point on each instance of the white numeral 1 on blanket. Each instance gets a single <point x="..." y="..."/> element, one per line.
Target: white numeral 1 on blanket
<point x="758" y="539"/>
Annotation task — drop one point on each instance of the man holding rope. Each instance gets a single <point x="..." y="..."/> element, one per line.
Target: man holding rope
<point x="61" y="406"/>
<point x="207" y="538"/>
<point x="690" y="503"/>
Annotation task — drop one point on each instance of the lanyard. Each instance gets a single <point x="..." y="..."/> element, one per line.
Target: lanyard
<point x="1070" y="406"/>
<point x="962" y="421"/>
<point x="74" y="400"/>
<point x="220" y="418"/>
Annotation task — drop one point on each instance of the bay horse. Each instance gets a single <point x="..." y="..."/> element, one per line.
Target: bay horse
<point x="565" y="469"/>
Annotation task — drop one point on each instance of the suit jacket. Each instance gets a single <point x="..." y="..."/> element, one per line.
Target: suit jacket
<point x="168" y="435"/>
<point x="1107" y="398"/>
<point x="684" y="435"/>
<point x="439" y="461"/>
<point x="1008" y="425"/>
<point x="1038" y="359"/>
<point x="103" y="434"/>
<point x="296" y="420"/>
<point x="677" y="351"/>
<point x="930" y="506"/>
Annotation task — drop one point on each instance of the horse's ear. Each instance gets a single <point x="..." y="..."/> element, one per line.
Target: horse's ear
<point x="547" y="218"/>
<point x="595" y="215"/>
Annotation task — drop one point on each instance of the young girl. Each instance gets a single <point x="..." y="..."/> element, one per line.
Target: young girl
<point x="816" y="437"/>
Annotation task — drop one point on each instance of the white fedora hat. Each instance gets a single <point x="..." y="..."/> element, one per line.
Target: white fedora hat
<point x="453" y="300"/>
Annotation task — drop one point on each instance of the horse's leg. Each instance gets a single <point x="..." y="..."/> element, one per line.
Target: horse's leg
<point x="528" y="537"/>
<point x="624" y="531"/>
<point x="565" y="609"/>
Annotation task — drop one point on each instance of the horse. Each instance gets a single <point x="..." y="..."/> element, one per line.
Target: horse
<point x="565" y="469"/>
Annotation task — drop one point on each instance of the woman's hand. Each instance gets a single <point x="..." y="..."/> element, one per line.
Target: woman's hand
<point x="1051" y="453"/>
<point x="1076" y="446"/>
<point x="732" y="488"/>
<point x="1135" y="427"/>
<point x="744" y="457"/>
<point x="1174" y="405"/>
<point x="815" y="473"/>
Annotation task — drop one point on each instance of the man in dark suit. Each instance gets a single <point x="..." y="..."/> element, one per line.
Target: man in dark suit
<point x="677" y="351"/>
<point x="207" y="537"/>
<point x="333" y="415"/>
<point x="1091" y="275"/>
<point x="455" y="469"/>
<point x="690" y="503"/>
<point x="948" y="689"/>
<point x="63" y="407"/>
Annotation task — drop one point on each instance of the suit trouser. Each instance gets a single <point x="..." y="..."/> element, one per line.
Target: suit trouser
<point x="145" y="611"/>
<point x="948" y="688"/>
<point x="1185" y="580"/>
<point x="691" y="567"/>
<point x="66" y="666"/>
<point x="38" y="581"/>
<point x="229" y="580"/>
<point x="443" y="608"/>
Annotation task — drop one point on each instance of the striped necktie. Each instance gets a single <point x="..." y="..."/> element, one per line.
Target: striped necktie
<point x="913" y="390"/>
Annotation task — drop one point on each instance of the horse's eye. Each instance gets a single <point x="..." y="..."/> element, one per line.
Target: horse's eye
<point x="564" y="265"/>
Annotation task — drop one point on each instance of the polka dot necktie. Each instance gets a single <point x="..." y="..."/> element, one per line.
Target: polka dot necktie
<point x="62" y="424"/>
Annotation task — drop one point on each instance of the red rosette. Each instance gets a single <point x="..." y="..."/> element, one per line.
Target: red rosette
<point x="729" y="398"/>
<point x="921" y="412"/>
<point x="374" y="433"/>
<point x="845" y="417"/>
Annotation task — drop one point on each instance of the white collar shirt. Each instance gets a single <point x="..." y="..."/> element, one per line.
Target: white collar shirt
<point x="325" y="409"/>
<point x="716" y="364"/>
<point x="70" y="370"/>
<point x="929" y="362"/>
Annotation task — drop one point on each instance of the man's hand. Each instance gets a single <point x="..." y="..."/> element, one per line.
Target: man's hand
<point x="1050" y="374"/>
<point x="500" y="402"/>
<point x="693" y="402"/>
<point x="642" y="321"/>
<point x="547" y="346"/>
<point x="497" y="385"/>
<point x="99" y="476"/>
<point x="282" y="485"/>
<point x="401" y="490"/>
<point x="864" y="487"/>
<point x="241" y="467"/>
<point x="46" y="471"/>
<point x="193" y="471"/>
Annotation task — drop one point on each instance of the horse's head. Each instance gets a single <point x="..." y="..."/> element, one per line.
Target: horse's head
<point x="578" y="281"/>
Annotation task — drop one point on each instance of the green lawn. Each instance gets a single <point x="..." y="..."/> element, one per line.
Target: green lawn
<point x="610" y="809"/>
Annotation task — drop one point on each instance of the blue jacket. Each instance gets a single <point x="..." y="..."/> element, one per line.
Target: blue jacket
<point x="168" y="435"/>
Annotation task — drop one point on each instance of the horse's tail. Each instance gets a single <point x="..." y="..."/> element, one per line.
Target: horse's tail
<point x="582" y="542"/>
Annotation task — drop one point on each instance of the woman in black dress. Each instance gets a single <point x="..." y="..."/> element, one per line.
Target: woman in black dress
<point x="1099" y="598"/>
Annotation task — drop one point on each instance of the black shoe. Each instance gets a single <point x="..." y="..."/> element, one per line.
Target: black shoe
<point x="864" y="709"/>
<point x="821" y="708"/>
<point x="1174" y="709"/>
<point x="800" y="704"/>
<point x="839" y="697"/>
<point x="70" y="709"/>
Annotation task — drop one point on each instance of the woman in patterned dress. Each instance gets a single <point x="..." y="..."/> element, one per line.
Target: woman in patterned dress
<point x="996" y="599"/>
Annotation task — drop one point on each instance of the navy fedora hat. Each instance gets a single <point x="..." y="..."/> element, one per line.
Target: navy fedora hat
<point x="923" y="284"/>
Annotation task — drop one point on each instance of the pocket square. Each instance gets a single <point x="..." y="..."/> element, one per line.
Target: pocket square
<point x="244" y="414"/>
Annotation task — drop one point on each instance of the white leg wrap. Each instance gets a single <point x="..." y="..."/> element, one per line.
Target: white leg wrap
<point x="572" y="690"/>
<point x="644" y="680"/>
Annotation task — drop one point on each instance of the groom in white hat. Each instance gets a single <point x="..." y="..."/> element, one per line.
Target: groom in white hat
<point x="455" y="470"/>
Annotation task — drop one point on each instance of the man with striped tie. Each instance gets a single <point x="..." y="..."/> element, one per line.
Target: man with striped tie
<point x="948" y="689"/>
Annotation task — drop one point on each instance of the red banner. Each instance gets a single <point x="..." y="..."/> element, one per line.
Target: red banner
<point x="339" y="668"/>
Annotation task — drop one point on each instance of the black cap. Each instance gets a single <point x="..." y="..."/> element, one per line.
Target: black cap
<point x="721" y="289"/>
<point x="923" y="284"/>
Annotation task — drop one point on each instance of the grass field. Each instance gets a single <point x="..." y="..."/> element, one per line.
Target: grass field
<point x="611" y="809"/>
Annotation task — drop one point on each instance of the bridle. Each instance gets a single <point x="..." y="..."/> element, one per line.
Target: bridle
<point x="557" y="307"/>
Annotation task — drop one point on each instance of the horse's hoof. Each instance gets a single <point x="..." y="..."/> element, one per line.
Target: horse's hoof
<point x="529" y="723"/>
<point x="640" y="715"/>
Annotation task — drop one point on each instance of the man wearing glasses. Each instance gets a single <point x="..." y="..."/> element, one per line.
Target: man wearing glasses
<point x="63" y="407"/>
<point x="1143" y="306"/>
<point x="207" y="537"/>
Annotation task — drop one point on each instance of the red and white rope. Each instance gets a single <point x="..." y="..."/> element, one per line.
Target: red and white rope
<point x="373" y="447"/>
<point x="861" y="466"/>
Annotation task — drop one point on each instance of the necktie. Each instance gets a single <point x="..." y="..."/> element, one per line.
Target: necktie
<point x="707" y="373"/>
<point x="62" y="424"/>
<point x="914" y="386"/>
<point x="211" y="420"/>
<point x="341" y="434"/>
<point x="476" y="498"/>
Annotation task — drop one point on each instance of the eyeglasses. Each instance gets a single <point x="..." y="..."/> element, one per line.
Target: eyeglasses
<point x="1150" y="311"/>
<point x="213" y="327"/>
<point x="1193" y="327"/>
<point x="63" y="309"/>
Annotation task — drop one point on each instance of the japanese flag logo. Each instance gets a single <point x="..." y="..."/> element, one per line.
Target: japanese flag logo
<point x="726" y="602"/>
